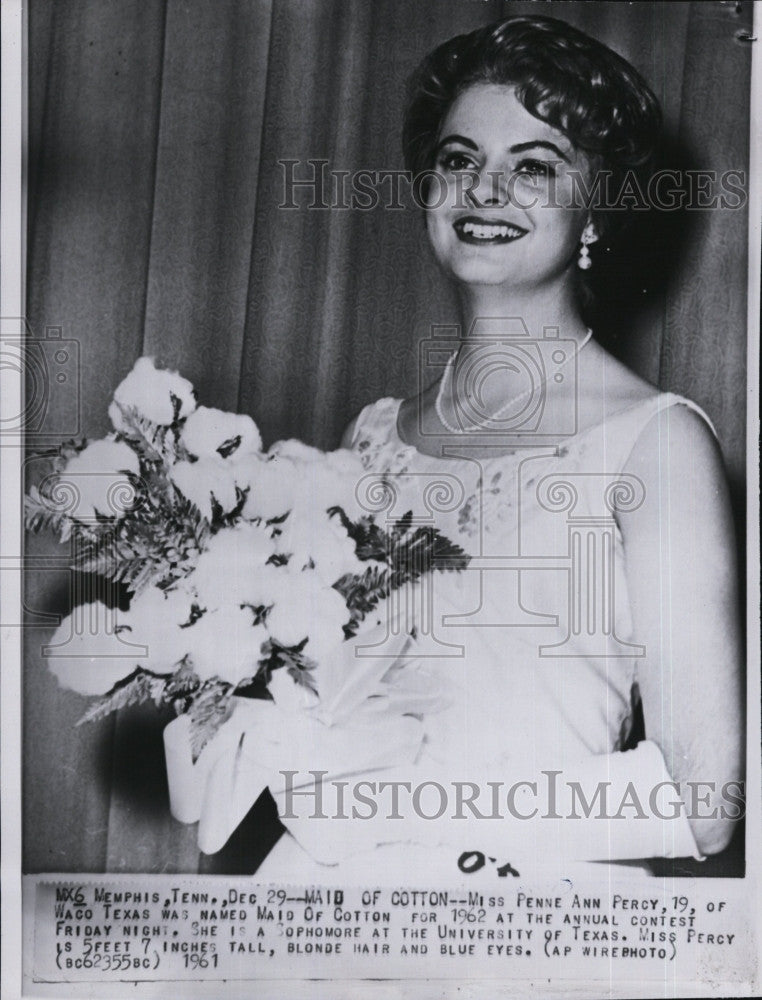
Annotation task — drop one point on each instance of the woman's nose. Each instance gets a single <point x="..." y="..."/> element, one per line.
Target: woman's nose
<point x="489" y="189"/>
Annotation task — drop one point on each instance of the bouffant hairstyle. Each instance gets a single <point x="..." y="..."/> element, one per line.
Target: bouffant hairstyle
<point x="561" y="76"/>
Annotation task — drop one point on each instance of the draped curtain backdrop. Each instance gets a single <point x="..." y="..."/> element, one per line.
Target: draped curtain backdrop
<point x="155" y="131"/>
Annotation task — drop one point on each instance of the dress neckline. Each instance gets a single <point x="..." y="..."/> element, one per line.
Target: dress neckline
<point x="551" y="448"/>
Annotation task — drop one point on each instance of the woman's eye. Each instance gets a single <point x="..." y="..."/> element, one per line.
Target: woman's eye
<point x="456" y="161"/>
<point x="535" y="169"/>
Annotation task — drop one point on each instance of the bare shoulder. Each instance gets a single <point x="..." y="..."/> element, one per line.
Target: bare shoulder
<point x="347" y="438"/>
<point x="609" y="386"/>
<point x="675" y="455"/>
<point x="674" y="441"/>
<point x="372" y="422"/>
<point x="679" y="463"/>
<point x="416" y="420"/>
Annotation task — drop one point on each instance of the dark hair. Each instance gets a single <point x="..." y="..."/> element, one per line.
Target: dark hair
<point x="560" y="75"/>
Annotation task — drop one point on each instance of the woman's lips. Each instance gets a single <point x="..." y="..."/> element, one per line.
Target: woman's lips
<point x="481" y="232"/>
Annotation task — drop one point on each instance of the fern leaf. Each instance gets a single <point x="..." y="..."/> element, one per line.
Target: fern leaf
<point x="139" y="687"/>
<point x="153" y="443"/>
<point x="300" y="668"/>
<point x="362" y="592"/>
<point x="183" y="683"/>
<point x="40" y="514"/>
<point x="208" y="711"/>
<point x="371" y="542"/>
<point x="423" y="551"/>
<point x="401" y="527"/>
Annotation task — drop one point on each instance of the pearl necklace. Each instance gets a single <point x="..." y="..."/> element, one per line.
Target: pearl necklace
<point x="475" y="428"/>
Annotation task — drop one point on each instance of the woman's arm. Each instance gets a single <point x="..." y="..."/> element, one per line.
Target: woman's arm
<point x="682" y="578"/>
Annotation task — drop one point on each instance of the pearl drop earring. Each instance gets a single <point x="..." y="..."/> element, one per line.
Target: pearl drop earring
<point x="589" y="236"/>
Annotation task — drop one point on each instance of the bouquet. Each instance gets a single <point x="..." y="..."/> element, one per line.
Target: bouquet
<point x="247" y="584"/>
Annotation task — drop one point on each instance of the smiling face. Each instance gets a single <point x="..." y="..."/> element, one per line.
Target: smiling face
<point x="497" y="218"/>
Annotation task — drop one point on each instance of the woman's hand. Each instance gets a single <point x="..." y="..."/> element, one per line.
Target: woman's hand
<point x="681" y="573"/>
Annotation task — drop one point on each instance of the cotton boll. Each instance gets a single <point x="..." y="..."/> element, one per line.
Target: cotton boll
<point x="205" y="480"/>
<point x="81" y="653"/>
<point x="287" y="627"/>
<point x="348" y="470"/>
<point x="227" y="645"/>
<point x="307" y="609"/>
<point x="320" y="540"/>
<point x="275" y="487"/>
<point x="117" y="420"/>
<point x="289" y="696"/>
<point x="329" y="613"/>
<point x="327" y="479"/>
<point x="337" y="482"/>
<point x="155" y="620"/>
<point x="234" y="564"/>
<point x="344" y="462"/>
<point x="272" y="486"/>
<point x="263" y="586"/>
<point x="150" y="391"/>
<point x="327" y="489"/>
<point x="331" y="609"/>
<point x="96" y="474"/>
<point x="330" y="478"/>
<point x="207" y="430"/>
<point x="296" y="477"/>
<point x="296" y="451"/>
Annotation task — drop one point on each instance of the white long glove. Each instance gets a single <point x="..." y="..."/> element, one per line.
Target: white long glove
<point x="368" y="718"/>
<point x="221" y="788"/>
<point x="643" y="816"/>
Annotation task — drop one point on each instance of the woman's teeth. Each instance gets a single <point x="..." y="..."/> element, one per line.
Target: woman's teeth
<point x="489" y="231"/>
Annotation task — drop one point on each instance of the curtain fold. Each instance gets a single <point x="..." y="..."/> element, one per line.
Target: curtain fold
<point x="158" y="134"/>
<point x="704" y="350"/>
<point x="209" y="141"/>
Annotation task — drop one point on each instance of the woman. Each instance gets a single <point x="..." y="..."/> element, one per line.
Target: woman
<point x="594" y="506"/>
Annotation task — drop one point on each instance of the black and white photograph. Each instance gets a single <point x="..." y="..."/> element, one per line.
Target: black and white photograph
<point x="380" y="486"/>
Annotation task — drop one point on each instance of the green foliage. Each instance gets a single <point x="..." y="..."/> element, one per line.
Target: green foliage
<point x="274" y="657"/>
<point x="414" y="553"/>
<point x="158" y="541"/>
<point x="207" y="703"/>
<point x="41" y="514"/>
<point x="139" y="687"/>
<point x="406" y="554"/>
<point x="208" y="710"/>
<point x="363" y="592"/>
<point x="154" y="444"/>
<point x="371" y="542"/>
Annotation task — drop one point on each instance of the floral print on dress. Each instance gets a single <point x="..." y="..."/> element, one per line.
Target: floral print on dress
<point x="488" y="504"/>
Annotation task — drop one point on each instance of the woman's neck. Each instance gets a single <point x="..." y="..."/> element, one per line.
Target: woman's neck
<point x="525" y="313"/>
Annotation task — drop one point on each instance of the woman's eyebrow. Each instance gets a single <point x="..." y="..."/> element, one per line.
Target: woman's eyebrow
<point x="520" y="147"/>
<point x="542" y="143"/>
<point x="461" y="139"/>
